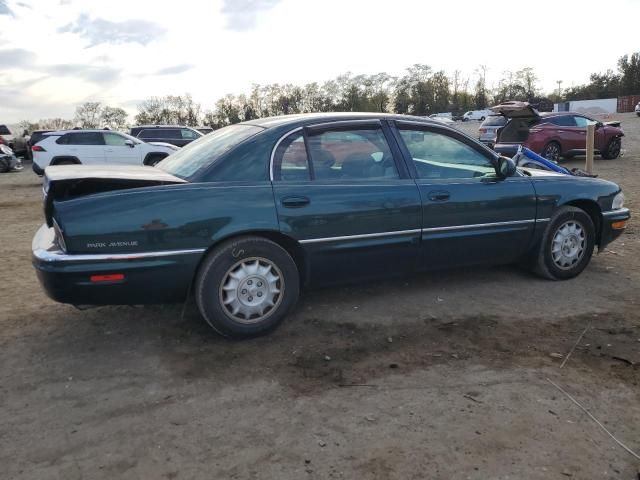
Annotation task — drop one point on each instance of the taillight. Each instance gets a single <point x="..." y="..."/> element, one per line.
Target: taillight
<point x="37" y="148"/>
<point x="2" y="142"/>
<point x="59" y="236"/>
<point x="111" y="277"/>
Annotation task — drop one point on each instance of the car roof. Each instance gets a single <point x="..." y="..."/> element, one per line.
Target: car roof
<point x="309" y="118"/>
<point x="54" y="133"/>
<point x="163" y="126"/>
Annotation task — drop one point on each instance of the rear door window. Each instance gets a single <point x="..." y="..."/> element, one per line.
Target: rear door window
<point x="291" y="163"/>
<point x="357" y="154"/>
<point x="563" y="121"/>
<point x="81" y="138"/>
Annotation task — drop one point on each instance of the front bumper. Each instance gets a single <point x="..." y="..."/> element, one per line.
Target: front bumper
<point x="149" y="277"/>
<point x="609" y="220"/>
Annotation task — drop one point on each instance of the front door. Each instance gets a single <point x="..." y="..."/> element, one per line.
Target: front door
<point x="118" y="152"/>
<point x="470" y="215"/>
<point x="341" y="190"/>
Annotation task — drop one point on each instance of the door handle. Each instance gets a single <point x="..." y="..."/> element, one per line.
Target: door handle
<point x="439" y="196"/>
<point x="295" y="201"/>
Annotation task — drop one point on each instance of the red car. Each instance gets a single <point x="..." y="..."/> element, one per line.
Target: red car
<point x="554" y="134"/>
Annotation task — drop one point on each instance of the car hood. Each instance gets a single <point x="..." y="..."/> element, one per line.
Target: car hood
<point x="537" y="172"/>
<point x="516" y="110"/>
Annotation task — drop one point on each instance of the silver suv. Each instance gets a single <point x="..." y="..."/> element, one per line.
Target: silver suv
<point x="488" y="131"/>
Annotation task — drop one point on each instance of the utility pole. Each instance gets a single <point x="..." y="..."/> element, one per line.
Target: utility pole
<point x="559" y="82"/>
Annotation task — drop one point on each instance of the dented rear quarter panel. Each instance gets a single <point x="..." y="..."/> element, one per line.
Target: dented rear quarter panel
<point x="173" y="217"/>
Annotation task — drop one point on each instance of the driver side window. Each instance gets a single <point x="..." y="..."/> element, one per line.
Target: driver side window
<point x="438" y="155"/>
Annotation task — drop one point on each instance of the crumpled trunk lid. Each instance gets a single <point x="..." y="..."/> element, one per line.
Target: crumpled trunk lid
<point x="65" y="182"/>
<point x="516" y="110"/>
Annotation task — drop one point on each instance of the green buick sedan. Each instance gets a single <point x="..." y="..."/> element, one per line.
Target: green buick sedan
<point x="246" y="216"/>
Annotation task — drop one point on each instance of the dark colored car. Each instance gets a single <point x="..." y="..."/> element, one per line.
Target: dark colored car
<point x="35" y="137"/>
<point x="554" y="135"/>
<point x="246" y="216"/>
<point x="488" y="130"/>
<point x="174" y="134"/>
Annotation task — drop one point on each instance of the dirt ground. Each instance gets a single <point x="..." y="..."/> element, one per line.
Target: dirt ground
<point x="439" y="376"/>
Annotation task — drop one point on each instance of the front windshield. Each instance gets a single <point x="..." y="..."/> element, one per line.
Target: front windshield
<point x="204" y="151"/>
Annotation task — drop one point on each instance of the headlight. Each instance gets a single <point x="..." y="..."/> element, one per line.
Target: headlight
<point x="618" y="201"/>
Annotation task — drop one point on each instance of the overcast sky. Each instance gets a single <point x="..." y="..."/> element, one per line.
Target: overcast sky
<point x="55" y="54"/>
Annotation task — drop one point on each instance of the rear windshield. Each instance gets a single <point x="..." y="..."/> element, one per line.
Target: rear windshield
<point x="4" y="130"/>
<point x="204" y="151"/>
<point x="494" y="121"/>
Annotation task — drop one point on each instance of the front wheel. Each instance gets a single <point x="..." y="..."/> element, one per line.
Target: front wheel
<point x="567" y="244"/>
<point x="551" y="151"/>
<point x="246" y="287"/>
<point x="612" y="150"/>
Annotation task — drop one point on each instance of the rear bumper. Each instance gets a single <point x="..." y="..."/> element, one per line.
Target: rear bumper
<point x="36" y="169"/>
<point x="609" y="219"/>
<point x="149" y="277"/>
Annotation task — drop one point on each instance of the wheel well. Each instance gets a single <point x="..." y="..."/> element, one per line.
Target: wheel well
<point x="292" y="247"/>
<point x="57" y="160"/>
<point x="593" y="210"/>
<point x="152" y="155"/>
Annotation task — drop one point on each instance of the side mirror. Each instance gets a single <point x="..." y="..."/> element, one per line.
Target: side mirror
<point x="506" y="167"/>
<point x="599" y="124"/>
<point x="129" y="143"/>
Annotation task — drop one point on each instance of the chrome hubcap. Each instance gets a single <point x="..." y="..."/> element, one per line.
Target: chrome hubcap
<point x="251" y="290"/>
<point x="568" y="244"/>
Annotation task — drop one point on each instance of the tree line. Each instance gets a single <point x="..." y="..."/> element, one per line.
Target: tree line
<point x="419" y="91"/>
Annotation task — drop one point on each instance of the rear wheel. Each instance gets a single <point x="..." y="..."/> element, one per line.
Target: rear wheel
<point x="612" y="150"/>
<point x="567" y="244"/>
<point x="153" y="159"/>
<point x="246" y="287"/>
<point x="551" y="151"/>
<point x="5" y="165"/>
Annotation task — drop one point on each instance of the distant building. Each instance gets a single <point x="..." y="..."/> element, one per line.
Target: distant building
<point x="589" y="107"/>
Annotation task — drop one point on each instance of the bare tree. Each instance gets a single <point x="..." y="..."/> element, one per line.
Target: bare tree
<point x="89" y="115"/>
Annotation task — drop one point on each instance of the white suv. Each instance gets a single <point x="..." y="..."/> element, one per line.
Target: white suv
<point x="96" y="147"/>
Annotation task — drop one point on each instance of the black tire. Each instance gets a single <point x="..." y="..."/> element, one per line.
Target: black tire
<point x="5" y="165"/>
<point x="549" y="268"/>
<point x="214" y="274"/>
<point x="612" y="150"/>
<point x="154" y="158"/>
<point x="482" y="119"/>
<point x="552" y="151"/>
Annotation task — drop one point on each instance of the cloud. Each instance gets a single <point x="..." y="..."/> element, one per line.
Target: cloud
<point x="4" y="8"/>
<point x="16" y="57"/>
<point x="173" y="70"/>
<point x="95" y="74"/>
<point x="99" y="30"/>
<point x="242" y="14"/>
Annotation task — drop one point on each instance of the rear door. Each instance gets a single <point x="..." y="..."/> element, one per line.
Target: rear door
<point x="469" y="214"/>
<point x="567" y="132"/>
<point x="342" y="190"/>
<point x="88" y="147"/>
<point x="118" y="152"/>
